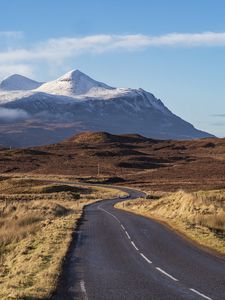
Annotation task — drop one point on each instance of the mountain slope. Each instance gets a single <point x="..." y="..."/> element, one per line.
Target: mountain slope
<point x="72" y="83"/>
<point x="75" y="103"/>
<point x="18" y="82"/>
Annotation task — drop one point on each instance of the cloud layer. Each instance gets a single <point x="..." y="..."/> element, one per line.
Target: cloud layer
<point x="9" y="115"/>
<point x="62" y="48"/>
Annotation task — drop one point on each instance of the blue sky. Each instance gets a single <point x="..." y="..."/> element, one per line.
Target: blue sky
<point x="172" y="48"/>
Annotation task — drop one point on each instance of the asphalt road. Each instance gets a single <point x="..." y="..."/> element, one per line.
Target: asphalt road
<point x="119" y="255"/>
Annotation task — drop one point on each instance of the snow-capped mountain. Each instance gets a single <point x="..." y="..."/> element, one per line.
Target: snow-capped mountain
<point x="75" y="102"/>
<point x="73" y="83"/>
<point x="18" y="82"/>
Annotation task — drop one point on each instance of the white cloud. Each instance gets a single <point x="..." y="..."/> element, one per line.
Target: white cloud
<point x="9" y="69"/>
<point x="205" y="39"/>
<point x="8" y="114"/>
<point x="65" y="47"/>
<point x="57" y="50"/>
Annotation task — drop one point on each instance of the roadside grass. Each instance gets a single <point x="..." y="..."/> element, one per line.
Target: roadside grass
<point x="199" y="216"/>
<point x="36" y="225"/>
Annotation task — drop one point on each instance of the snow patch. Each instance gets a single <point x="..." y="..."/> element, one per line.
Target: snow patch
<point x="75" y="86"/>
<point x="17" y="82"/>
<point x="72" y="83"/>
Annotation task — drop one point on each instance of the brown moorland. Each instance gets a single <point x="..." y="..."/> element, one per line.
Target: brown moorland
<point x="134" y="160"/>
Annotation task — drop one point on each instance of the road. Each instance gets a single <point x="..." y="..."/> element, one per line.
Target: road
<point x="119" y="255"/>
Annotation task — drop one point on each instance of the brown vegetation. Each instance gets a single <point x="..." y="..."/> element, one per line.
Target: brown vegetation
<point x="138" y="161"/>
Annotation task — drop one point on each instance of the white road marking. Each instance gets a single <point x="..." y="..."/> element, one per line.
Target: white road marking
<point x="83" y="290"/>
<point x="165" y="273"/>
<point x="200" y="294"/>
<point x="148" y="260"/>
<point x="127" y="235"/>
<point x="99" y="207"/>
<point x="134" y="245"/>
<point x="82" y="285"/>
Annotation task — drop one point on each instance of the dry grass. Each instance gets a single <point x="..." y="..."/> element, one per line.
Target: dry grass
<point x="197" y="215"/>
<point x="214" y="222"/>
<point x="36" y="225"/>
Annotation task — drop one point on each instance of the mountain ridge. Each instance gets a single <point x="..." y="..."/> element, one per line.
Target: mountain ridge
<point x="75" y="102"/>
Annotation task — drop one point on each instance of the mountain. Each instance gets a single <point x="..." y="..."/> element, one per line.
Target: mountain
<point x="73" y="83"/>
<point x="18" y="82"/>
<point x="75" y="102"/>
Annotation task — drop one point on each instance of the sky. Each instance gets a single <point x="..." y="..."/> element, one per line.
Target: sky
<point x="174" y="49"/>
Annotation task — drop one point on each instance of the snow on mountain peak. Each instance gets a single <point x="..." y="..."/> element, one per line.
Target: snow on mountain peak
<point x="19" y="82"/>
<point x="83" y="103"/>
<point x="76" y="85"/>
<point x="73" y="83"/>
<point x="74" y="75"/>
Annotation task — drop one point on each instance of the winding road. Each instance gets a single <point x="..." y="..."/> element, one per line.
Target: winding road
<point x="120" y="255"/>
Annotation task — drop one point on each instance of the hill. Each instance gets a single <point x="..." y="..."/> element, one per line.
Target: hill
<point x="138" y="161"/>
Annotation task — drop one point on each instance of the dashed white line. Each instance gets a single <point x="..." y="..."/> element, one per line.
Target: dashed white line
<point x="83" y="290"/>
<point x="200" y="294"/>
<point x="82" y="285"/>
<point x="99" y="207"/>
<point x="148" y="260"/>
<point x="134" y="245"/>
<point x="127" y="235"/>
<point x="167" y="274"/>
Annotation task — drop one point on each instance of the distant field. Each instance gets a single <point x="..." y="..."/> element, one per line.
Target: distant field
<point x="131" y="159"/>
<point x="198" y="215"/>
<point x="36" y="225"/>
